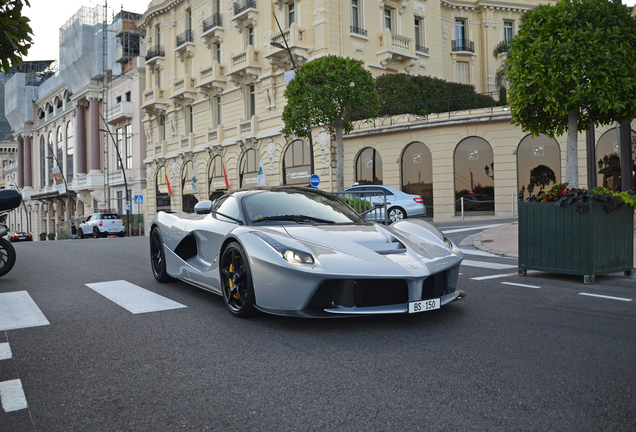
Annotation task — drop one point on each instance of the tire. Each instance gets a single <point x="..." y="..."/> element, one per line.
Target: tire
<point x="80" y="234"/>
<point x="396" y="214"/>
<point x="236" y="282"/>
<point x="96" y="233"/>
<point x="121" y="234"/>
<point x="158" y="257"/>
<point x="7" y="256"/>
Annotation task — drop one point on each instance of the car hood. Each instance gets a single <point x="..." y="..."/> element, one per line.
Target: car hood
<point x="374" y="244"/>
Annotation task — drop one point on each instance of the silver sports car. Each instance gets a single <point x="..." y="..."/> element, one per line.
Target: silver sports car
<point x="302" y="252"/>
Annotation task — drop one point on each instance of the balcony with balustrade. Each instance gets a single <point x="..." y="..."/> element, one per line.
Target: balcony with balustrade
<point x="155" y="101"/>
<point x="396" y="51"/>
<point x="184" y="91"/>
<point x="120" y="111"/>
<point x="185" y="45"/>
<point x="245" y="67"/>
<point x="212" y="80"/>
<point x="296" y="39"/>
<point x="245" y="13"/>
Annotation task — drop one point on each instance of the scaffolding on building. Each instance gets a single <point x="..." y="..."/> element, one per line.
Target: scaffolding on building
<point x="129" y="36"/>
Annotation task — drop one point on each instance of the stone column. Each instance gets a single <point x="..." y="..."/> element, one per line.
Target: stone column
<point x="80" y="140"/>
<point x="93" y="148"/>
<point x="28" y="174"/>
<point x="20" y="163"/>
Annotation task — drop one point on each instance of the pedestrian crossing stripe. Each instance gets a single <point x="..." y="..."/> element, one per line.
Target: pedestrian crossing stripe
<point x="133" y="298"/>
<point x="18" y="310"/>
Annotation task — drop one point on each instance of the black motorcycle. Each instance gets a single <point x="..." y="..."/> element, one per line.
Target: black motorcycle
<point x="9" y="199"/>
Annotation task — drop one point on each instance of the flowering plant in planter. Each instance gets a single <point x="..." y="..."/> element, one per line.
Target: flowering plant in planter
<point x="561" y="195"/>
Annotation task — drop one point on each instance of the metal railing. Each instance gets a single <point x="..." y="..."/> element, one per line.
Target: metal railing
<point x="463" y="45"/>
<point x="215" y="20"/>
<point x="371" y="202"/>
<point x="421" y="48"/>
<point x="186" y="36"/>
<point x="155" y="51"/>
<point x="357" y="30"/>
<point x="244" y="5"/>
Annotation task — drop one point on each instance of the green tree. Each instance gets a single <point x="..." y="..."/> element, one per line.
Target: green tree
<point x="573" y="64"/>
<point x="15" y="31"/>
<point x="331" y="91"/>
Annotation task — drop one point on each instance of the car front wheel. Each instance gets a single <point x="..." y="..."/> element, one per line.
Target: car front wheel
<point x="158" y="257"/>
<point x="7" y="256"/>
<point x="396" y="214"/>
<point x="80" y="234"/>
<point x="236" y="281"/>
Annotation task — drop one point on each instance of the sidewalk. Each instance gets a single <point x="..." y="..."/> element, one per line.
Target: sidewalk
<point x="504" y="240"/>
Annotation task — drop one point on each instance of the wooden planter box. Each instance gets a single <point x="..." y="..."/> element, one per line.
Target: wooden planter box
<point x="562" y="240"/>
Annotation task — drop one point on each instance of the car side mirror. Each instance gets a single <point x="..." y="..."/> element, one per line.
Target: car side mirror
<point x="203" y="207"/>
<point x="377" y="202"/>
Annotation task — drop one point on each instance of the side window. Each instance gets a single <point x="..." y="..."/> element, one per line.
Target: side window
<point x="229" y="207"/>
<point x="90" y="218"/>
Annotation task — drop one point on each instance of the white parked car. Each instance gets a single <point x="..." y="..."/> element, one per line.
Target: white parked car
<point x="400" y="204"/>
<point x="102" y="225"/>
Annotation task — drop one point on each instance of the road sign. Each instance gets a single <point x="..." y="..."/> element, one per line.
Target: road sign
<point x="126" y="205"/>
<point x="139" y="199"/>
<point x="314" y="180"/>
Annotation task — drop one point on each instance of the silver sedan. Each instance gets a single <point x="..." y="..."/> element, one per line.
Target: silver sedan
<point x="400" y="205"/>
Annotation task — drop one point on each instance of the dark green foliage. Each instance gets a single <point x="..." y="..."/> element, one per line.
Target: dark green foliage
<point x="15" y="33"/>
<point x="403" y="93"/>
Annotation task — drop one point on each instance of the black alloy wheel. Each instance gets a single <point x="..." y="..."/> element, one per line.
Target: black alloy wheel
<point x="158" y="257"/>
<point x="96" y="233"/>
<point x="236" y="281"/>
<point x="7" y="256"/>
<point x="80" y="234"/>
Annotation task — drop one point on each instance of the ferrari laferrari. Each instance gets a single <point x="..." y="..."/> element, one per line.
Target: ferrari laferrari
<point x="302" y="252"/>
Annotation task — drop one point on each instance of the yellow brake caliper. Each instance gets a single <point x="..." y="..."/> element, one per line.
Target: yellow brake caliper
<point x="231" y="270"/>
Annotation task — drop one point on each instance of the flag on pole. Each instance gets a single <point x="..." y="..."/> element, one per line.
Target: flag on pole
<point x="168" y="183"/>
<point x="261" y="179"/>
<point x="227" y="184"/>
<point x="195" y="185"/>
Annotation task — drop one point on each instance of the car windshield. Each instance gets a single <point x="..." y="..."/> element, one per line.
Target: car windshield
<point x="297" y="206"/>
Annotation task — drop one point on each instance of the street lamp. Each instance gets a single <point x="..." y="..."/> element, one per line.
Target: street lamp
<point x="286" y="47"/>
<point x="123" y="171"/>
<point x="55" y="206"/>
<point x="29" y="228"/>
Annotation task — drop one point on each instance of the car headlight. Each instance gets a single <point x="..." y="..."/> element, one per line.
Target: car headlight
<point x="293" y="256"/>
<point x="449" y="244"/>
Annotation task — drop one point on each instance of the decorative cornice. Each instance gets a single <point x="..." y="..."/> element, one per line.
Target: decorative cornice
<point x="157" y="10"/>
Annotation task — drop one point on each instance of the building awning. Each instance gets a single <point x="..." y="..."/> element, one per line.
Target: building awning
<point x="51" y="195"/>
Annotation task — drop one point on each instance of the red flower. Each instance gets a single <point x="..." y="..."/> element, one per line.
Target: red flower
<point x="545" y="200"/>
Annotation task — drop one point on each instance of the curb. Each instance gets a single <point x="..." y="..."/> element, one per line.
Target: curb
<point x="477" y="243"/>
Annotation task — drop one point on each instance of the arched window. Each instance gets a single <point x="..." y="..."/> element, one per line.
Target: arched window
<point x="297" y="163"/>
<point x="417" y="173"/>
<point x="59" y="146"/>
<point x="43" y="162"/>
<point x="608" y="158"/>
<point x="248" y="171"/>
<point x="474" y="176"/>
<point x="189" y="188"/>
<point x="216" y="178"/>
<point x="538" y="164"/>
<point x="50" y="148"/>
<point x="69" y="151"/>
<point x="369" y="167"/>
<point x="162" y="191"/>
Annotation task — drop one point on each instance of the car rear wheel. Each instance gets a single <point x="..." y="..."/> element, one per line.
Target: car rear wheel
<point x="236" y="281"/>
<point x="7" y="256"/>
<point x="396" y="214"/>
<point x="96" y="232"/>
<point x="158" y="257"/>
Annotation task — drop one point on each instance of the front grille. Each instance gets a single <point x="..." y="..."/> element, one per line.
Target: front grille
<point x="360" y="293"/>
<point x="435" y="286"/>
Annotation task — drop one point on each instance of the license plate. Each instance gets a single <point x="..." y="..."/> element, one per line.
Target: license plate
<point x="113" y="230"/>
<point x="22" y="238"/>
<point x="424" y="305"/>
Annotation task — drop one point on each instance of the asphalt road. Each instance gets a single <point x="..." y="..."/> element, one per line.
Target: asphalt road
<point x="534" y="356"/>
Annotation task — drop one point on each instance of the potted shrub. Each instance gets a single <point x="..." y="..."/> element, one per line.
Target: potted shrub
<point x="576" y="231"/>
<point x="51" y="236"/>
<point x="43" y="236"/>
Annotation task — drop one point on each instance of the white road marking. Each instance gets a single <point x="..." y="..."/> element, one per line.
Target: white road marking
<point x="18" y="310"/>
<point x="12" y="395"/>
<point x="605" y="297"/>
<point x="475" y="228"/>
<point x="521" y="285"/>
<point x="494" y="276"/>
<point x="133" y="298"/>
<point x="5" y="351"/>
<point x="487" y="265"/>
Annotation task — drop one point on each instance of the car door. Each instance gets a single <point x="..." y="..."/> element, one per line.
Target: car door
<point x="209" y="232"/>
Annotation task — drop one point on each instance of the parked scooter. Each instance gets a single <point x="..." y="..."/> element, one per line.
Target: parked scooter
<point x="9" y="199"/>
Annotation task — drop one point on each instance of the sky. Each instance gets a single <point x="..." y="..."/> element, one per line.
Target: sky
<point x="47" y="16"/>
